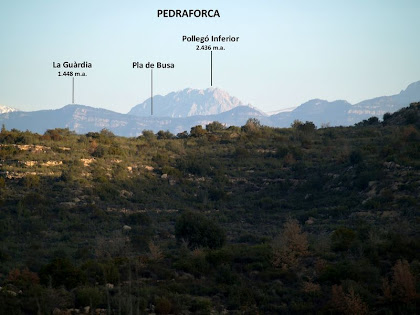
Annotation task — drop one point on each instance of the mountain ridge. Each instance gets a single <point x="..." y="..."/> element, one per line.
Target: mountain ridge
<point x="83" y="118"/>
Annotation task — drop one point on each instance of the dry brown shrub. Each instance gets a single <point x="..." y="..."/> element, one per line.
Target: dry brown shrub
<point x="156" y="253"/>
<point x="92" y="146"/>
<point x="311" y="288"/>
<point x="24" y="277"/>
<point x="387" y="290"/>
<point x="290" y="246"/>
<point x="403" y="286"/>
<point x="347" y="303"/>
<point x="320" y="265"/>
<point x="289" y="159"/>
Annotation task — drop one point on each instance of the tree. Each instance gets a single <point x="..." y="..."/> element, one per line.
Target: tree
<point x="387" y="116"/>
<point x="199" y="231"/>
<point x="347" y="303"/>
<point x="342" y="239"/>
<point x="149" y="135"/>
<point x="197" y="131"/>
<point x="403" y="284"/>
<point x="372" y="121"/>
<point x="61" y="272"/>
<point x="182" y="135"/>
<point x="107" y="133"/>
<point x="57" y="134"/>
<point x="290" y="245"/>
<point x="252" y="125"/>
<point x="31" y="181"/>
<point x="99" y="152"/>
<point x="215" y="126"/>
<point x="308" y="127"/>
<point x="296" y="124"/>
<point x="165" y="135"/>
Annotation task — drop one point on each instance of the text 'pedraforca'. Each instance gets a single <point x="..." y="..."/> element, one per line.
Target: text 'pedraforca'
<point x="188" y="13"/>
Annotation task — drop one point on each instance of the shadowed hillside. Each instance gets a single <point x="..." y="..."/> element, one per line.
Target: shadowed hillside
<point x="249" y="219"/>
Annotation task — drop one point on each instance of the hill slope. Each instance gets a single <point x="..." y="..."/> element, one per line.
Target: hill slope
<point x="248" y="220"/>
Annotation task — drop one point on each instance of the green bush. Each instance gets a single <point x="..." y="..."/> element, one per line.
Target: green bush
<point x="163" y="305"/>
<point x="342" y="239"/>
<point x="61" y="272"/>
<point x="199" y="231"/>
<point x="90" y="296"/>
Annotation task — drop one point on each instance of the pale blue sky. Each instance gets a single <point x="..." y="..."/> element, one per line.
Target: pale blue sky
<point x="288" y="52"/>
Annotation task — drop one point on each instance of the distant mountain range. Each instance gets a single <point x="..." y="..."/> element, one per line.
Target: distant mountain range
<point x="83" y="119"/>
<point x="179" y="111"/>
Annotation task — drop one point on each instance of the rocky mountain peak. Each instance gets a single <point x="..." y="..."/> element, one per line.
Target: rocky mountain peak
<point x="6" y="109"/>
<point x="188" y="102"/>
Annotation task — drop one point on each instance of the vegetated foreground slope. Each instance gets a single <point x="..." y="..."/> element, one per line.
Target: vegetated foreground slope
<point x="245" y="219"/>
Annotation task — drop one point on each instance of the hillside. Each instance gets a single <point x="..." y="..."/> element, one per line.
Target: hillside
<point x="248" y="219"/>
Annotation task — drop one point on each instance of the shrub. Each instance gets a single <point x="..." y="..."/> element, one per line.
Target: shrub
<point x="342" y="239"/>
<point x="163" y="306"/>
<point x="199" y="231"/>
<point x="99" y="152"/>
<point x="31" y="181"/>
<point x="347" y="303"/>
<point x="308" y="127"/>
<point x="197" y="131"/>
<point x="252" y="125"/>
<point x="387" y="116"/>
<point x="355" y="157"/>
<point x="290" y="245"/>
<point x="165" y="135"/>
<point x="149" y="135"/>
<point x="61" y="272"/>
<point x="403" y="286"/>
<point x="89" y="296"/>
<point x="215" y="126"/>
<point x="182" y="135"/>
<point x="22" y="279"/>
<point x="139" y="218"/>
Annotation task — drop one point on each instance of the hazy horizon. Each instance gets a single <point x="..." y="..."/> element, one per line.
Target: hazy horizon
<point x="287" y="54"/>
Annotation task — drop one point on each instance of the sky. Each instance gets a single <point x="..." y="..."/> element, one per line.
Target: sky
<point x="288" y="51"/>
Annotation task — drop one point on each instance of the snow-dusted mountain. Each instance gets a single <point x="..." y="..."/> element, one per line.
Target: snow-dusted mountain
<point x="283" y="110"/>
<point x="186" y="103"/>
<point x="6" y="109"/>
